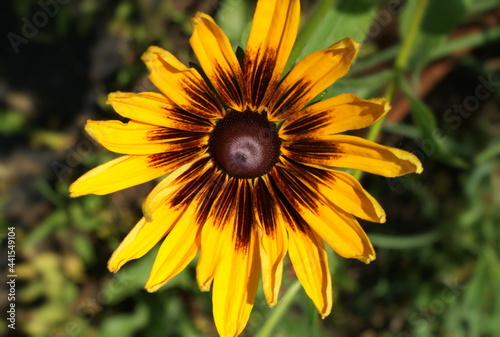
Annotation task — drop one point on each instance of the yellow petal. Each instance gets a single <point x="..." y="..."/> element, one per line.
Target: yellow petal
<point x="177" y="250"/>
<point x="181" y="84"/>
<point x="353" y="152"/>
<point x="221" y="229"/>
<point x="310" y="263"/>
<point x="273" y="33"/>
<point x="144" y="236"/>
<point x="339" y="229"/>
<point x="273" y="249"/>
<point x="341" y="189"/>
<point x="273" y="240"/>
<point x="215" y="238"/>
<point x="235" y="285"/>
<point x="347" y="193"/>
<point x="334" y="115"/>
<point x="217" y="233"/>
<point x="213" y="51"/>
<point x="311" y="76"/>
<point x="174" y="184"/>
<point x="115" y="175"/>
<point x="156" y="109"/>
<point x="139" y="138"/>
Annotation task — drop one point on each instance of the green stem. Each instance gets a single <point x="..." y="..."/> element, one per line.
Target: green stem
<point x="404" y="54"/>
<point x="279" y="311"/>
<point x="399" y="66"/>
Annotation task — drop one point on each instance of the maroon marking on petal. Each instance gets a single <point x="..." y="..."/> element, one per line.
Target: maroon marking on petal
<point x="194" y="170"/>
<point x="180" y="157"/>
<point x="167" y="134"/>
<point x="244" y="217"/>
<point x="190" y="190"/>
<point x="314" y="176"/>
<point x="288" y="210"/>
<point x="187" y="121"/>
<point x="296" y="190"/>
<point x="265" y="206"/>
<point x="287" y="102"/>
<point x="229" y="85"/>
<point x="308" y="123"/>
<point x="261" y="75"/>
<point x="315" y="149"/>
<point x="203" y="101"/>
<point x="210" y="193"/>
<point x="225" y="203"/>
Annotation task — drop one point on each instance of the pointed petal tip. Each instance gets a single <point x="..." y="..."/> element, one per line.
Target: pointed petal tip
<point x="204" y="287"/>
<point x="72" y="193"/>
<point x="148" y="215"/>
<point x="367" y="259"/>
<point x="113" y="96"/>
<point x="204" y="282"/>
<point x="151" y="288"/>
<point x="325" y="315"/>
<point x="414" y="161"/>
<point x="147" y="212"/>
<point x="151" y="54"/>
<point x="90" y="127"/>
<point x="383" y="102"/>
<point x="272" y="303"/>
<point x="347" y="44"/>
<point x="115" y="265"/>
<point x="197" y="18"/>
<point x="74" y="189"/>
<point x="382" y="218"/>
<point x="355" y="43"/>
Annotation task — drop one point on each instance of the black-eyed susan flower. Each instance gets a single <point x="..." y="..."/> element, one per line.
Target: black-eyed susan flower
<point x="250" y="165"/>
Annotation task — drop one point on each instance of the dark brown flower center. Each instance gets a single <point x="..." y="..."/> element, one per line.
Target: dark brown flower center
<point x="245" y="144"/>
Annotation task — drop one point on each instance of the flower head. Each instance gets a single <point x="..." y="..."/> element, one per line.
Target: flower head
<point x="249" y="163"/>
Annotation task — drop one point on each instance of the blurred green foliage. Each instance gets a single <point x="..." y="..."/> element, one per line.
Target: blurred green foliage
<point x="438" y="266"/>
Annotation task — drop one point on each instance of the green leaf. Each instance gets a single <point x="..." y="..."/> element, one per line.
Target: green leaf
<point x="279" y="311"/>
<point x="409" y="131"/>
<point x="377" y="58"/>
<point x="53" y="221"/>
<point x="233" y="16"/>
<point x="473" y="40"/>
<point x="11" y="122"/>
<point x="125" y="325"/>
<point x="433" y="142"/>
<point x="131" y="278"/>
<point x="490" y="152"/>
<point x="84" y="248"/>
<point x="331" y="22"/>
<point x="465" y="42"/>
<point x="365" y="87"/>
